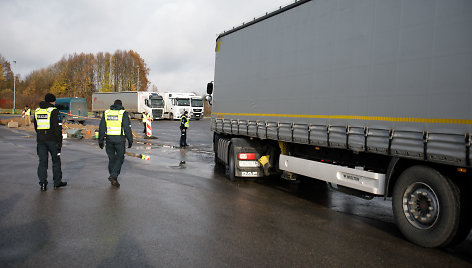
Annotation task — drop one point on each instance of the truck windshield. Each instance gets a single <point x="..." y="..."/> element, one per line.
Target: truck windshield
<point x="182" y="102"/>
<point x="197" y="103"/>
<point x="157" y="103"/>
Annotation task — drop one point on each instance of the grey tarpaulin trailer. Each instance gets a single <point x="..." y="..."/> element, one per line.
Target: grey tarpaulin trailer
<point x="372" y="97"/>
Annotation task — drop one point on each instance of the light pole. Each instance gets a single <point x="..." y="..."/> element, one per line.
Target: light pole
<point x="137" y="86"/>
<point x="14" y="89"/>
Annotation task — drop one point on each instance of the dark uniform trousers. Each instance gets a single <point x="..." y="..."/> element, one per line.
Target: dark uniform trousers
<point x="43" y="149"/>
<point x="183" y="137"/>
<point x="116" y="155"/>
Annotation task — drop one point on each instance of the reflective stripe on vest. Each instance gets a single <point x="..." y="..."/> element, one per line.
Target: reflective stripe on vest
<point x="28" y="112"/>
<point x="113" y="119"/>
<point x="186" y="124"/>
<point x="144" y="118"/>
<point x="43" y="118"/>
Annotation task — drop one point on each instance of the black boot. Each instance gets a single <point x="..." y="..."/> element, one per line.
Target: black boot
<point x="60" y="184"/>
<point x="44" y="187"/>
<point x="113" y="181"/>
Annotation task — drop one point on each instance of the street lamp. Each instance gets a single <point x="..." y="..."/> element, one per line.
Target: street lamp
<point x="137" y="86"/>
<point x="14" y="89"/>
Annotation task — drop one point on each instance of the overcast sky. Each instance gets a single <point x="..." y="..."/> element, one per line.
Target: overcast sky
<point x="176" y="38"/>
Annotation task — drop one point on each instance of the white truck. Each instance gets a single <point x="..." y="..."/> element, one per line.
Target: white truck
<point x="176" y="103"/>
<point x="134" y="102"/>
<point x="196" y="110"/>
<point x="372" y="97"/>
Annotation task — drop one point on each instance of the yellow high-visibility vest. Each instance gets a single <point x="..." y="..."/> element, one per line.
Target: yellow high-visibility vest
<point x="186" y="124"/>
<point x="144" y="118"/>
<point x="43" y="118"/>
<point x="113" y="119"/>
<point x="28" y="112"/>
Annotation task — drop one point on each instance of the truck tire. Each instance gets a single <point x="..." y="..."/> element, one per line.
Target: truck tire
<point x="231" y="164"/>
<point x="427" y="207"/>
<point x="215" y="149"/>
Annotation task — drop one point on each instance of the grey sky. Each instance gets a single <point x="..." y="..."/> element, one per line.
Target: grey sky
<point x="176" y="38"/>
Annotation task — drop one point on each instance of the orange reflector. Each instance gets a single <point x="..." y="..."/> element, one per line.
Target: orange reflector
<point x="247" y="156"/>
<point x="462" y="170"/>
<point x="317" y="148"/>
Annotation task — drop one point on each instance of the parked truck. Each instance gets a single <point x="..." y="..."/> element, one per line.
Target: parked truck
<point x="176" y="103"/>
<point x="135" y="103"/>
<point x="196" y="107"/>
<point x="72" y="109"/>
<point x="372" y="97"/>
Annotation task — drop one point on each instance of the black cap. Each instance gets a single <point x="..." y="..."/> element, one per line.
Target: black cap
<point x="118" y="102"/>
<point x="49" y="98"/>
<point x="185" y="112"/>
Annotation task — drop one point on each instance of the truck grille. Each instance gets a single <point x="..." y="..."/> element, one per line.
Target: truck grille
<point x="156" y="113"/>
<point x="197" y="110"/>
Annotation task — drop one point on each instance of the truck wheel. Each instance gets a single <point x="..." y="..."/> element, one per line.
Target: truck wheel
<point x="427" y="207"/>
<point x="215" y="149"/>
<point x="231" y="164"/>
<point x="171" y="116"/>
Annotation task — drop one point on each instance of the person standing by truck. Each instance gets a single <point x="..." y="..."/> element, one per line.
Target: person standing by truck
<point x="145" y="117"/>
<point x="184" y="124"/>
<point x="48" y="127"/>
<point x="115" y="127"/>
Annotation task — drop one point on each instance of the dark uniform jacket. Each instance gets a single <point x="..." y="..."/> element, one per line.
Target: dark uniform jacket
<point x="125" y="125"/>
<point x="55" y="132"/>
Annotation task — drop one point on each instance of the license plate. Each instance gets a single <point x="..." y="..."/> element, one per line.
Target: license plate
<point x="248" y="164"/>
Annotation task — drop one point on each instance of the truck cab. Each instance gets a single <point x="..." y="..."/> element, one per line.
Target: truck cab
<point x="196" y="104"/>
<point x="156" y="104"/>
<point x="176" y="104"/>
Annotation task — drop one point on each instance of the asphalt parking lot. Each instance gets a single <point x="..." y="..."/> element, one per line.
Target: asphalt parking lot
<point x="178" y="210"/>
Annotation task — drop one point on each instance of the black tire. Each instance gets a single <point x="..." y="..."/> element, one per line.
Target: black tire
<point x="171" y="116"/>
<point x="231" y="164"/>
<point x="427" y="207"/>
<point x="215" y="148"/>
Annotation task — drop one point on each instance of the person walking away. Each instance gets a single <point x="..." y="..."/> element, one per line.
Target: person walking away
<point x="48" y="126"/>
<point x="115" y="128"/>
<point x="27" y="115"/>
<point x="184" y="124"/>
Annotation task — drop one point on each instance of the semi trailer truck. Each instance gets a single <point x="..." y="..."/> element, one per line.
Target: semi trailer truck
<point x="176" y="103"/>
<point x="372" y="97"/>
<point x="135" y="103"/>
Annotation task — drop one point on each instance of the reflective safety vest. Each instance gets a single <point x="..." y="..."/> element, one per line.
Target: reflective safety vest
<point x="43" y="118"/>
<point x="113" y="119"/>
<point x="186" y="123"/>
<point x="28" y="112"/>
<point x="144" y="118"/>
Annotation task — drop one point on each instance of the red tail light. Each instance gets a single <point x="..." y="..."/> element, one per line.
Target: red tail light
<point x="69" y="113"/>
<point x="247" y="156"/>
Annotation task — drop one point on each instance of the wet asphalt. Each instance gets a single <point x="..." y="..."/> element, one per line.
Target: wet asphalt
<point x="178" y="210"/>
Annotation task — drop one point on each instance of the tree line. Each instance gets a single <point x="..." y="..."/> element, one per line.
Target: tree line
<point x="75" y="75"/>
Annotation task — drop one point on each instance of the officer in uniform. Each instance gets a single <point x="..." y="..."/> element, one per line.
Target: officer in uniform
<point x="145" y="117"/>
<point x="48" y="126"/>
<point x="115" y="127"/>
<point x="184" y="124"/>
